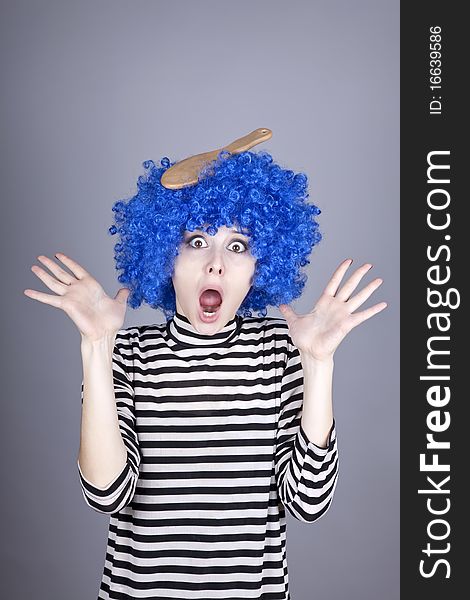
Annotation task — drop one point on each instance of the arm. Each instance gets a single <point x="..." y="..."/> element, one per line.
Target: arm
<point x="306" y="473"/>
<point x="109" y="456"/>
<point x="317" y="415"/>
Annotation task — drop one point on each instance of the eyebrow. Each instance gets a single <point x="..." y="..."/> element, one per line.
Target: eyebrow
<point x="232" y="229"/>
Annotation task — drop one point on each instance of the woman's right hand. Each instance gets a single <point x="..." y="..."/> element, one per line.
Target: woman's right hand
<point x="81" y="297"/>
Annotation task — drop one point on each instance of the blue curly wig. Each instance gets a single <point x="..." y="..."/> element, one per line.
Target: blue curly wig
<point x="246" y="190"/>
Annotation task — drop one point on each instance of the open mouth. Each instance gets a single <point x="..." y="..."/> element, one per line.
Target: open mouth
<point x="210" y="301"/>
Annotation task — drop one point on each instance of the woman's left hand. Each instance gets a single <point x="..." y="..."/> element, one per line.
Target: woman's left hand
<point x="319" y="332"/>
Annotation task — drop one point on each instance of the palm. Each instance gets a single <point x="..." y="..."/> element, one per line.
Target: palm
<point x="91" y="309"/>
<point x="82" y="298"/>
<point x="319" y="332"/>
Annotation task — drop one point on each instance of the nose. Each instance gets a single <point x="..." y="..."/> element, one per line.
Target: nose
<point x="215" y="265"/>
<point x="215" y="268"/>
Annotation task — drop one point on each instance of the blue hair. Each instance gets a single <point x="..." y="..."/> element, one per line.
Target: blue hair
<point x="246" y="190"/>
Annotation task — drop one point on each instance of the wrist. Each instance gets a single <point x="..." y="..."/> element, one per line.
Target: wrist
<point x="104" y="342"/>
<point x="326" y="362"/>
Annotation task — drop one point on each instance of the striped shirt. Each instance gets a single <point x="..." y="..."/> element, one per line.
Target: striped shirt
<point x="215" y="454"/>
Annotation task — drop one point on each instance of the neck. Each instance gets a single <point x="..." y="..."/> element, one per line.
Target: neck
<point x="184" y="333"/>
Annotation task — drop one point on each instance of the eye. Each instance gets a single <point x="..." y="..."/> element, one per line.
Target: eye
<point x="197" y="241"/>
<point x="239" y="246"/>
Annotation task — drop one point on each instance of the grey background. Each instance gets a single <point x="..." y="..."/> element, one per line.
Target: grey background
<point x="92" y="89"/>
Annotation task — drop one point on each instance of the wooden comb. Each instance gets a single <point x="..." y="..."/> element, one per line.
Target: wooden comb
<point x="186" y="172"/>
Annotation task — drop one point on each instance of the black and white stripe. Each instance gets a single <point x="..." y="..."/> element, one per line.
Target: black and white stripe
<point x="216" y="453"/>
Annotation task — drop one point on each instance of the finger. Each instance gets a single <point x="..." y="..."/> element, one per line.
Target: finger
<point x="58" y="271"/>
<point x="76" y="269"/>
<point x="362" y="316"/>
<point x="335" y="280"/>
<point x="358" y="299"/>
<point x="52" y="284"/>
<point x="45" y="298"/>
<point x="352" y="283"/>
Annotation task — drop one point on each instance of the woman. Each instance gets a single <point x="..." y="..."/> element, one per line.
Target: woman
<point x="198" y="433"/>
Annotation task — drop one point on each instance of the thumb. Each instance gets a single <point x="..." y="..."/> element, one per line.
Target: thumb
<point x="122" y="295"/>
<point x="287" y="311"/>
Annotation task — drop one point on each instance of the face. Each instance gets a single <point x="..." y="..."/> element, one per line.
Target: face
<point x="223" y="265"/>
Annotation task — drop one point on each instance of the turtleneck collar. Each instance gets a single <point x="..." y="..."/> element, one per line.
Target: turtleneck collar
<point x="179" y="329"/>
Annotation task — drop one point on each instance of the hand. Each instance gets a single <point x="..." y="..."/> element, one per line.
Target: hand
<point x="81" y="297"/>
<point x="319" y="332"/>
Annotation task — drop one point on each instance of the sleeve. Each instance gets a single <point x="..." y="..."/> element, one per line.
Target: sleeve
<point x="306" y="474"/>
<point x="119" y="492"/>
